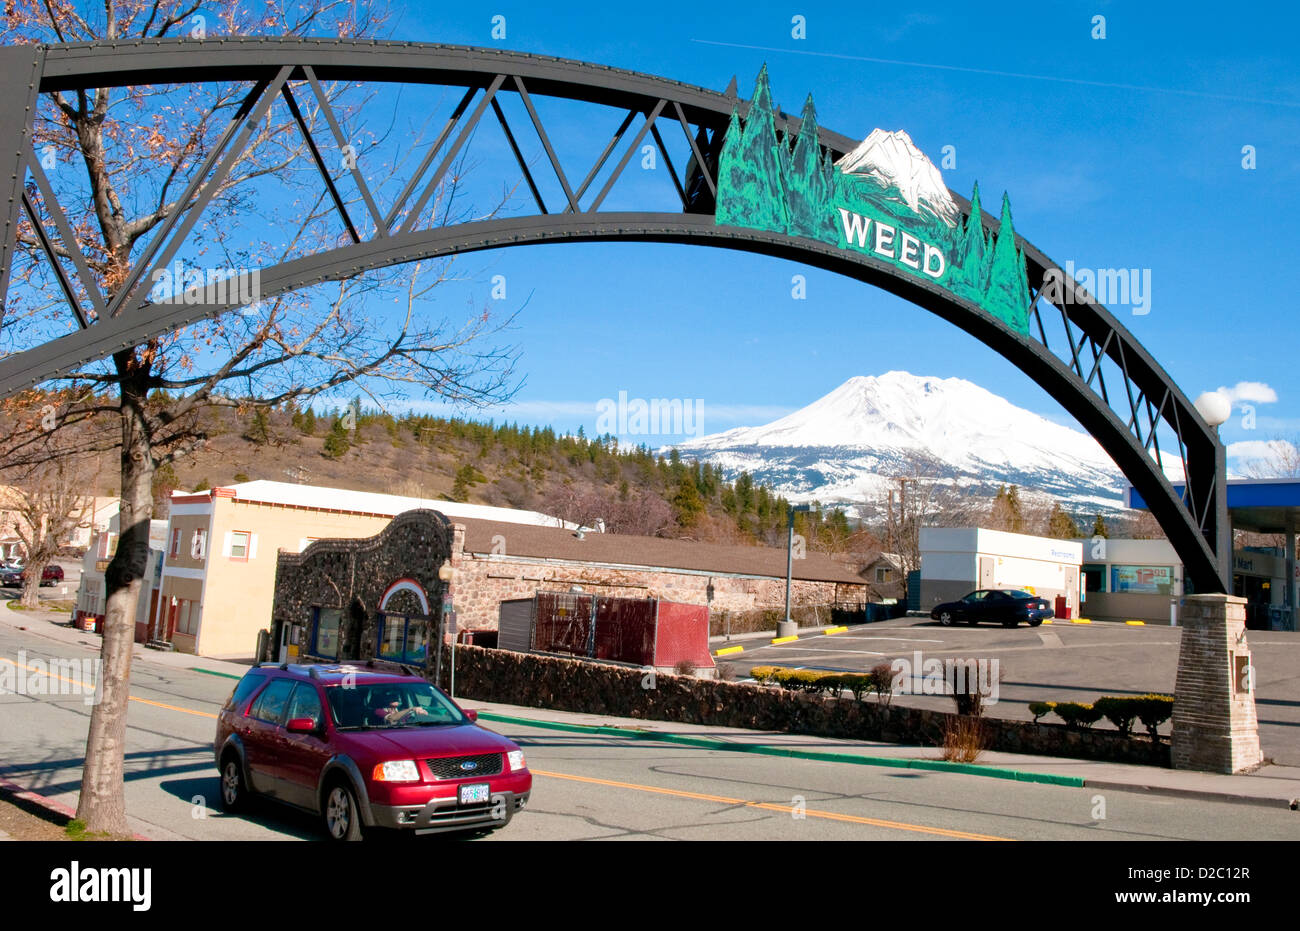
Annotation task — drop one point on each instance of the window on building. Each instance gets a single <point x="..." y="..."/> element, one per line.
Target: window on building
<point x="1155" y="580"/>
<point x="326" y="642"/>
<point x="199" y="544"/>
<point x="884" y="574"/>
<point x="239" y="541"/>
<point x="175" y="549"/>
<point x="187" y="617"/>
<point x="403" y="639"/>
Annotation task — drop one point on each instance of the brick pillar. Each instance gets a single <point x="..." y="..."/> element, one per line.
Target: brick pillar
<point x="1215" y="728"/>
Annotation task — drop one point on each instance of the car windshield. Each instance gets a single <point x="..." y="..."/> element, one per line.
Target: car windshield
<point x="391" y="704"/>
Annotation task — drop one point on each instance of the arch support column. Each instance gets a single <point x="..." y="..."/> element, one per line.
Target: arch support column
<point x="1215" y="726"/>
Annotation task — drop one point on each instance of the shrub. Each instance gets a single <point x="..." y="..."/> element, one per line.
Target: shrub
<point x="726" y="672"/>
<point x="1075" y="714"/>
<point x="762" y="674"/>
<point x="1118" y="711"/>
<point x="684" y="667"/>
<point x="1040" y="708"/>
<point x="964" y="739"/>
<point x="969" y="699"/>
<point x="1152" y="711"/>
<point x="882" y="682"/>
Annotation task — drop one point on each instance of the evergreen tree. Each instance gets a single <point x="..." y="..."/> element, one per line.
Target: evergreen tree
<point x="972" y="254"/>
<point x="336" y="441"/>
<point x="1099" y="528"/>
<point x="687" y="503"/>
<point x="259" y="432"/>
<point x="750" y="188"/>
<point x="1007" y="295"/>
<point x="1061" y="525"/>
<point x="807" y="186"/>
<point x="308" y="423"/>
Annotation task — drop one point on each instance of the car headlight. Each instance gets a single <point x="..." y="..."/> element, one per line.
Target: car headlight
<point x="516" y="758"/>
<point x="397" y="771"/>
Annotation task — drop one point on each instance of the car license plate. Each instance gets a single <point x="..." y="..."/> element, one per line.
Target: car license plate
<point x="474" y="794"/>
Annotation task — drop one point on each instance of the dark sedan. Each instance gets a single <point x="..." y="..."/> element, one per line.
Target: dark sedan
<point x="1009" y="607"/>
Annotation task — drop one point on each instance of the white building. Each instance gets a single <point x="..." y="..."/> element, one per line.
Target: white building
<point x="958" y="560"/>
<point x="91" y="594"/>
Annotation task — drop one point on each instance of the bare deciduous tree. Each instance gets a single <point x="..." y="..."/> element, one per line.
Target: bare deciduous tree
<point x="124" y="155"/>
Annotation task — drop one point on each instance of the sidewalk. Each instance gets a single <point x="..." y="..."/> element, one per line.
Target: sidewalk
<point x="54" y="626"/>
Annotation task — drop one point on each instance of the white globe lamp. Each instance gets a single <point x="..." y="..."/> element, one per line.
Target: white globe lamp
<point x="1213" y="407"/>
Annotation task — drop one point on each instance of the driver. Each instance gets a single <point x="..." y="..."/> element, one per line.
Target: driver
<point x="392" y="711"/>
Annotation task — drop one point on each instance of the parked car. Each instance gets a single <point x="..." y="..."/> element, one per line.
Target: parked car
<point x="1009" y="607"/>
<point x="17" y="575"/>
<point x="365" y="749"/>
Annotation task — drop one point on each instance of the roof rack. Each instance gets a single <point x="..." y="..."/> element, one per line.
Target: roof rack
<point x="314" y="671"/>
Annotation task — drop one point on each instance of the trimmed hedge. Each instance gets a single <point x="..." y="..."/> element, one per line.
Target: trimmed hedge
<point x="1120" y="710"/>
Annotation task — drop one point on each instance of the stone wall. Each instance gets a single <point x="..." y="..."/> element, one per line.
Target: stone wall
<point x="484" y="581"/>
<point x="561" y="684"/>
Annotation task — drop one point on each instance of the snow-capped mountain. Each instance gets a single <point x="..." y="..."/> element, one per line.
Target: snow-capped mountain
<point x="841" y="448"/>
<point x="893" y="160"/>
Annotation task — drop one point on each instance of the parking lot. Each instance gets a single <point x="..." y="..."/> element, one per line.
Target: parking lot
<point x="1058" y="662"/>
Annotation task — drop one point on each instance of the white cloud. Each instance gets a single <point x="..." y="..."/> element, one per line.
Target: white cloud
<point x="1255" y="391"/>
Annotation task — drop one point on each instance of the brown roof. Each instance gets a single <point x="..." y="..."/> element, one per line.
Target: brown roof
<point x="656" y="552"/>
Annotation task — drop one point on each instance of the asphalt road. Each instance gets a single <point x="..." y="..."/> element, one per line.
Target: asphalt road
<point x="591" y="787"/>
<point x="1057" y="662"/>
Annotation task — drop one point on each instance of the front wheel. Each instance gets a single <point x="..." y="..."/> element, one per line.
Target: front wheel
<point x="342" y="814"/>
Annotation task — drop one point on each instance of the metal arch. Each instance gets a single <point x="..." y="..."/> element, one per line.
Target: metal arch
<point x="1197" y="525"/>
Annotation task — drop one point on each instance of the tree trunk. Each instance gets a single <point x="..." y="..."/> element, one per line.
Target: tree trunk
<point x="32" y="573"/>
<point x="102" y="805"/>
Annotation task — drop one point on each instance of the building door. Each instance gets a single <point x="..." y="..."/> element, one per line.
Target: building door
<point x="986" y="572"/>
<point x="284" y="643"/>
<point x="1072" y="590"/>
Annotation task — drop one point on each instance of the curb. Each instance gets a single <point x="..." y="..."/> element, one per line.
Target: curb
<point x="35" y="798"/>
<point x="706" y="743"/>
<point x="213" y="672"/>
<point x="1198" y="795"/>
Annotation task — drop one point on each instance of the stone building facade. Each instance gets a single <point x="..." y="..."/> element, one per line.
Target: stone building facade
<point x="392" y="574"/>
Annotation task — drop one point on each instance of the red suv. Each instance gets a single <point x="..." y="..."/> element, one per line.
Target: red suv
<point x="363" y="749"/>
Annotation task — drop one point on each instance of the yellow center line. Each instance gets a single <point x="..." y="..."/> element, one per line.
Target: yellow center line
<point x="770" y="806"/>
<point x="88" y="686"/>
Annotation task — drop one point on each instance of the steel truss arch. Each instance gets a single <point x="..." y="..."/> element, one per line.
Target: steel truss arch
<point x="1123" y="418"/>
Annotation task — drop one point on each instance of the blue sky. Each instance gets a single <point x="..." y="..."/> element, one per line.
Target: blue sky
<point x="1119" y="152"/>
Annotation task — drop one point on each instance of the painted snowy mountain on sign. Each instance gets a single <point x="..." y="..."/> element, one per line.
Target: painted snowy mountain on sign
<point x="894" y="162"/>
<point x="840" y="448"/>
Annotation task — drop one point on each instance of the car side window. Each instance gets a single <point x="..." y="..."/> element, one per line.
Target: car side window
<point x="246" y="687"/>
<point x="271" y="703"/>
<point x="304" y="704"/>
<point x="976" y="596"/>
